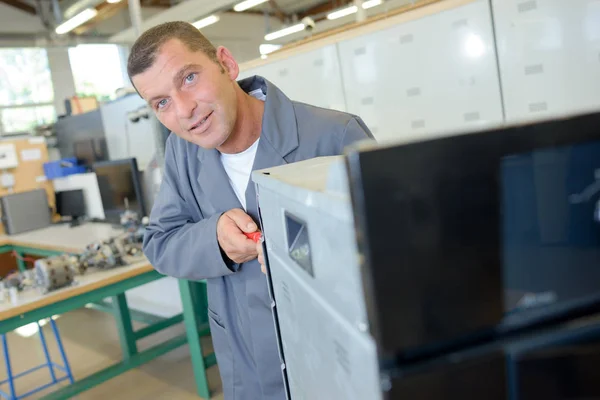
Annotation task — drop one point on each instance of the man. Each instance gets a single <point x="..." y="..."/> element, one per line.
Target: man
<point x="224" y="130"/>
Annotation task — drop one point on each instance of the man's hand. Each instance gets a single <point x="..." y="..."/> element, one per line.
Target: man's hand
<point x="261" y="258"/>
<point x="230" y="234"/>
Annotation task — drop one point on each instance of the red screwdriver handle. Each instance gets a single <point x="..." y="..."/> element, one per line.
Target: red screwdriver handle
<point x="254" y="236"/>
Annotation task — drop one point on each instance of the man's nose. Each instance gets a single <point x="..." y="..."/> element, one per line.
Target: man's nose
<point x="185" y="105"/>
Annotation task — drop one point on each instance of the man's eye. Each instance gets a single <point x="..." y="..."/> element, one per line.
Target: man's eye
<point x="161" y="103"/>
<point x="190" y="78"/>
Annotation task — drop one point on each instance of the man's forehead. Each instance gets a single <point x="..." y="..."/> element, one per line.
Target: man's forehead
<point x="169" y="59"/>
<point x="176" y="48"/>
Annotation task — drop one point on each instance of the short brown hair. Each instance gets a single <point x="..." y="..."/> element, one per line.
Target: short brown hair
<point x="144" y="50"/>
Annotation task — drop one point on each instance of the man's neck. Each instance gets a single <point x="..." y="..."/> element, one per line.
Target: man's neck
<point x="248" y="124"/>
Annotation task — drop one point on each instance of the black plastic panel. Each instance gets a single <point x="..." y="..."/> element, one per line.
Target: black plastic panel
<point x="436" y="221"/>
<point x="551" y="364"/>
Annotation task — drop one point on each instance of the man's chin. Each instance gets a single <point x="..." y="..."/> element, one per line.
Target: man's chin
<point x="206" y="142"/>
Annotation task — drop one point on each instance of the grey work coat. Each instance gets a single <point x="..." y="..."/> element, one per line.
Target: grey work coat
<point x="181" y="239"/>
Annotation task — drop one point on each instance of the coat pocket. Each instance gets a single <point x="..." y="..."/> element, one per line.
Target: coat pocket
<point x="223" y="353"/>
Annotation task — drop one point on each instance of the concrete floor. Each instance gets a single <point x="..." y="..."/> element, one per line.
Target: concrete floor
<point x="92" y="343"/>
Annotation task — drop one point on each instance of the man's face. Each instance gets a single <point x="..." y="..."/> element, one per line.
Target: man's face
<point x="192" y="96"/>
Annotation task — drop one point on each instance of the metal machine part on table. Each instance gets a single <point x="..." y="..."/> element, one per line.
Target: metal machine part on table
<point x="59" y="271"/>
<point x="117" y="251"/>
<point x="394" y="268"/>
<point x="55" y="272"/>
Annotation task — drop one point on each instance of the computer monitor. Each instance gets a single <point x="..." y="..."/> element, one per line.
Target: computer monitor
<point x="478" y="234"/>
<point x="120" y="187"/>
<point x="71" y="203"/>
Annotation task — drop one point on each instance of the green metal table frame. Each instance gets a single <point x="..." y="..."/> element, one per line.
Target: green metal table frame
<point x="194" y="316"/>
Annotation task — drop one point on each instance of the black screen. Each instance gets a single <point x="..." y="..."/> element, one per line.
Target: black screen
<point x="119" y="187"/>
<point x="551" y="232"/>
<point x="473" y="235"/>
<point x="70" y="203"/>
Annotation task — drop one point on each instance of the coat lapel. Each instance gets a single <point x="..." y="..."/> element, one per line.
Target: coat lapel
<point x="214" y="181"/>
<point x="279" y="136"/>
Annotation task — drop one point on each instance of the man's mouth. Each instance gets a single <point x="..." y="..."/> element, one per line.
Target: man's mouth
<point x="201" y="123"/>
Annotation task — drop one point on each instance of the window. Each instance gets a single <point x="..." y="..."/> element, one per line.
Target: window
<point x="25" y="119"/>
<point x="97" y="70"/>
<point x="26" y="92"/>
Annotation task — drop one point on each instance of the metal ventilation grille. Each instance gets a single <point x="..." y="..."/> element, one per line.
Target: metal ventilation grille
<point x="472" y="116"/>
<point x="405" y="39"/>
<point x="527" y="6"/>
<point x="412" y="92"/>
<point x="360" y="51"/>
<point x="418" y="124"/>
<point x="460" y="23"/>
<point x="367" y="101"/>
<point x="537" y="107"/>
<point x="286" y="291"/>
<point x="341" y="356"/>
<point x="534" y="69"/>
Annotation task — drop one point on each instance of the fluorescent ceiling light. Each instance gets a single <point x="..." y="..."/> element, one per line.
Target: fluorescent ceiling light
<point x="370" y="4"/>
<point x="204" y="22"/>
<point x="284" y="32"/>
<point x="113" y="1"/>
<point x="77" y="20"/>
<point x="244" y="5"/>
<point x="344" y="12"/>
<point x="265" y="49"/>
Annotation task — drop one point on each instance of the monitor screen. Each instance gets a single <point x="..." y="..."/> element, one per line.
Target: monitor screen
<point x="70" y="203"/>
<point x="480" y="233"/>
<point x="120" y="187"/>
<point x="550" y="226"/>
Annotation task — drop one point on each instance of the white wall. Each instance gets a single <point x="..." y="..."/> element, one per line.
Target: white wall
<point x="435" y="71"/>
<point x="320" y="83"/>
<point x="413" y="79"/>
<point x="549" y="52"/>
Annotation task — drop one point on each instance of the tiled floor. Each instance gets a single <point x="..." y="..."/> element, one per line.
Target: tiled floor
<point x="91" y="342"/>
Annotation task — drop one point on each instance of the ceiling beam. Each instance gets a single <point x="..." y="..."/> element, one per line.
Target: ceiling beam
<point x="323" y="8"/>
<point x="20" y="5"/>
<point x="282" y="16"/>
<point x="156" y="3"/>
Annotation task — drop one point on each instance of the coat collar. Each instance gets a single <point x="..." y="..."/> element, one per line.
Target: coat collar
<point x="279" y="122"/>
<point x="279" y="137"/>
<point x="279" y="126"/>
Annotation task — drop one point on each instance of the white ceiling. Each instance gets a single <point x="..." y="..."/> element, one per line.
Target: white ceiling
<point x="291" y="6"/>
<point x="242" y="33"/>
<point x="190" y="11"/>
<point x="122" y="21"/>
<point x="13" y="20"/>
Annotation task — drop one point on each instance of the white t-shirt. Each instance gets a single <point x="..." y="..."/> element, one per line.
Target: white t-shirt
<point x="239" y="166"/>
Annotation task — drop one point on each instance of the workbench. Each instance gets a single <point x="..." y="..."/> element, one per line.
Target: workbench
<point x="91" y="289"/>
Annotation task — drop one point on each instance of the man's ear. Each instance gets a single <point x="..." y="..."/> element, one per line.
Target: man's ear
<point x="227" y="61"/>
